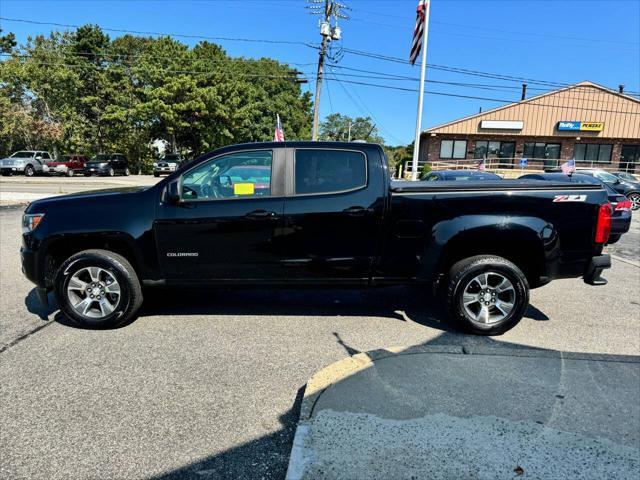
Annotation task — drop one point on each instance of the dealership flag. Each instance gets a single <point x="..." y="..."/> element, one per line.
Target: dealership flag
<point x="569" y="167"/>
<point x="278" y="135"/>
<point x="418" y="31"/>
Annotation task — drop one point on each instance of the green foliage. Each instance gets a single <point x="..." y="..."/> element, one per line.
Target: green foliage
<point x="397" y="156"/>
<point x="426" y="168"/>
<point x="337" y="127"/>
<point x="7" y="42"/>
<point x="81" y="91"/>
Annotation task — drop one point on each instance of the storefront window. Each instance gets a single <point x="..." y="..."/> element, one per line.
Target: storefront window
<point x="592" y="152"/>
<point x="453" y="149"/>
<point x="540" y="150"/>
<point x="496" y="149"/>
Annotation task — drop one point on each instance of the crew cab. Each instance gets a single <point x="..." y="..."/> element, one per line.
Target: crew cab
<point x="29" y="162"/>
<point x="315" y="213"/>
<point x="67" y="165"/>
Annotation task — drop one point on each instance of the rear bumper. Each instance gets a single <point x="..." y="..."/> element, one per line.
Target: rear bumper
<point x="597" y="265"/>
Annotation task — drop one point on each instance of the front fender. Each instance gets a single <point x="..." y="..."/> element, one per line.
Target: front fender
<point x="530" y="242"/>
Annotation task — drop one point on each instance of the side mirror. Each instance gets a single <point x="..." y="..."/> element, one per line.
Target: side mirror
<point x="39" y="157"/>
<point x="172" y="195"/>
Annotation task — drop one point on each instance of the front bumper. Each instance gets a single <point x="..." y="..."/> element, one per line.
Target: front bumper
<point x="96" y="170"/>
<point x="592" y="274"/>
<point x="163" y="170"/>
<point x="12" y="169"/>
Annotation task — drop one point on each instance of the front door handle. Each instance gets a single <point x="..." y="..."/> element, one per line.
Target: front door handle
<point x="261" y="214"/>
<point x="356" y="211"/>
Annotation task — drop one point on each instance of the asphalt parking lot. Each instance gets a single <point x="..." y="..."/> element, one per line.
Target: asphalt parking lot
<point x="207" y="384"/>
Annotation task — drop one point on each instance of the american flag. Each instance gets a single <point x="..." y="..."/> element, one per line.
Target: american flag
<point x="481" y="165"/>
<point x="278" y="135"/>
<point x="569" y="167"/>
<point x="418" y="31"/>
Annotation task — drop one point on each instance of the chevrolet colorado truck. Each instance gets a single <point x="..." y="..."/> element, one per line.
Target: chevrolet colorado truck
<point x="315" y="213"/>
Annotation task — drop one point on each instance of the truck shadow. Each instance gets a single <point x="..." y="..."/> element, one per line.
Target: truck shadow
<point x="405" y="304"/>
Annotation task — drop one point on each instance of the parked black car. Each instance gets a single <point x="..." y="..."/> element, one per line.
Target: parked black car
<point x="315" y="213"/>
<point x="107" y="164"/>
<point x="621" y="217"/>
<point x="459" y="175"/>
<point x="630" y="189"/>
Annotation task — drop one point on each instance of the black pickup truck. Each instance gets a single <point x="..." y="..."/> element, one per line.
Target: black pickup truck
<point x="314" y="213"/>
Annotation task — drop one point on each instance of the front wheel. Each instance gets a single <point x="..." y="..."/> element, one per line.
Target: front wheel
<point x="486" y="295"/>
<point x="70" y="173"/>
<point x="634" y="198"/>
<point x="29" y="171"/>
<point x="98" y="289"/>
<point x="111" y="172"/>
<point x="126" y="172"/>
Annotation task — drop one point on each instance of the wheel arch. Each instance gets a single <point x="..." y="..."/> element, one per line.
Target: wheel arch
<point x="528" y="242"/>
<point x="62" y="247"/>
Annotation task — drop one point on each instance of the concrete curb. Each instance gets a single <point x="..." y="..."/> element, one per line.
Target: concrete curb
<point x="322" y="380"/>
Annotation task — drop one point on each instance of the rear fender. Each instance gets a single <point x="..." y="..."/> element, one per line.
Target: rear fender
<point x="530" y="242"/>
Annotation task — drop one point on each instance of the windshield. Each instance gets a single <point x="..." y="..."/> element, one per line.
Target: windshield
<point x="606" y="177"/>
<point x="65" y="158"/>
<point x="22" y="155"/>
<point x="100" y="158"/>
<point x="172" y="157"/>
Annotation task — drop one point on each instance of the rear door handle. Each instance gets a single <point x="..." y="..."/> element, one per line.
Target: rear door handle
<point x="261" y="214"/>
<point x="356" y="211"/>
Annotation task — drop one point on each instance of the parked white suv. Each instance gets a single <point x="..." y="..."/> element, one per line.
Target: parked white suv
<point x="28" y="162"/>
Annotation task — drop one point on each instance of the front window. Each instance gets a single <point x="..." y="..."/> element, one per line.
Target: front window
<point x="22" y="155"/>
<point x="490" y="148"/>
<point x="237" y="175"/>
<point x="453" y="149"/>
<point x="593" y="152"/>
<point x="542" y="151"/>
<point x="101" y="158"/>
<point x="329" y="171"/>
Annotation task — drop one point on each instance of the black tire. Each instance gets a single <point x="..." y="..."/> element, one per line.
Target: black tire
<point x="29" y="171"/>
<point x="6" y="173"/>
<point x="70" y="172"/>
<point x="126" y="172"/>
<point x="634" y="198"/>
<point x="111" y="172"/>
<point x="461" y="276"/>
<point x="156" y="174"/>
<point x="130" y="290"/>
<point x="87" y="174"/>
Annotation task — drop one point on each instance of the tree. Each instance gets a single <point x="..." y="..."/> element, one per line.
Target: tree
<point x="338" y="127"/>
<point x="7" y="42"/>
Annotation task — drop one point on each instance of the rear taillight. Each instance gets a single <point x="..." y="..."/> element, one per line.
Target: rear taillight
<point x="603" y="224"/>
<point x="624" y="206"/>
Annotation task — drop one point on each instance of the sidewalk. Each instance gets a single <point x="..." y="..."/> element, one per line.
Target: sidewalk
<point x="439" y="412"/>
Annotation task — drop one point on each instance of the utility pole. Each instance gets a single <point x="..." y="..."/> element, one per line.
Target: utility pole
<point x="328" y="9"/>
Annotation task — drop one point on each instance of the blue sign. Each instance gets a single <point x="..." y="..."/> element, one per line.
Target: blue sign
<point x="523" y="162"/>
<point x="569" y="126"/>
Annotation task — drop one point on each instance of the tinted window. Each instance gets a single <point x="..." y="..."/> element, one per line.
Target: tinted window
<point x="45" y="156"/>
<point x="325" y="171"/>
<point x="593" y="152"/>
<point x="237" y="175"/>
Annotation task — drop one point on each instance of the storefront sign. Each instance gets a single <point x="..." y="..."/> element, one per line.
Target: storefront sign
<point x="502" y="124"/>
<point x="581" y="126"/>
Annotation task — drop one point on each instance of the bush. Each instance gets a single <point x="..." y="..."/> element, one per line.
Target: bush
<point x="426" y="168"/>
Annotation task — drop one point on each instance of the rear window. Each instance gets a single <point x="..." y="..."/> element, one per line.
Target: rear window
<point x="329" y="171"/>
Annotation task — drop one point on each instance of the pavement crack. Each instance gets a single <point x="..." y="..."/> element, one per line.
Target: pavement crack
<point x="13" y="343"/>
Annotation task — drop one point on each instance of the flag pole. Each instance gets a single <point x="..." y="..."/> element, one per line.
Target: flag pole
<point x="423" y="65"/>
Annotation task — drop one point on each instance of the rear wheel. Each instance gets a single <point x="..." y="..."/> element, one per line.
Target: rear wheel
<point x="70" y="172"/>
<point x="486" y="295"/>
<point x="634" y="198"/>
<point x="126" y="172"/>
<point x="156" y="174"/>
<point x="111" y="172"/>
<point x="98" y="289"/>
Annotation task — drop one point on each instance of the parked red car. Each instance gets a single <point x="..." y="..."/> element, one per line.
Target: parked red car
<point x="67" y="165"/>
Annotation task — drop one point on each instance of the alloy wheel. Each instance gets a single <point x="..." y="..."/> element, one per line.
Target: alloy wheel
<point x="93" y="292"/>
<point x="634" y="198"/>
<point x="488" y="298"/>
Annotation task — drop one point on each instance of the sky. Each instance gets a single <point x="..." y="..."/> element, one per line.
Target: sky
<point x="544" y="41"/>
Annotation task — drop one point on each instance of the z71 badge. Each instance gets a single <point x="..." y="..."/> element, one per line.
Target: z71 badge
<point x="570" y="198"/>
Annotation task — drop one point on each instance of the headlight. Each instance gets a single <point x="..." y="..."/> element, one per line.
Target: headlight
<point x="155" y="164"/>
<point x="30" y="221"/>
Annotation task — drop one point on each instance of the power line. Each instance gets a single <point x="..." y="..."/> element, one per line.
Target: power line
<point x="162" y="34"/>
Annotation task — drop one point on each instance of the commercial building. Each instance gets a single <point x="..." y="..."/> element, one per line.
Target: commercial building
<point x="596" y="126"/>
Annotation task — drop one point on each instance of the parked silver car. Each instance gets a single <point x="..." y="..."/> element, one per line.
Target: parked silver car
<point x="28" y="162"/>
